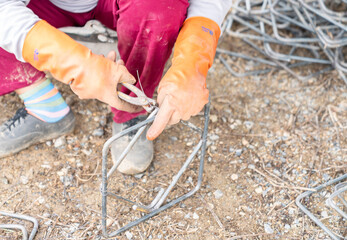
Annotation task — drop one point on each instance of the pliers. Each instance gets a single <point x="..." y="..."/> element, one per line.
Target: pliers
<point x="141" y="100"/>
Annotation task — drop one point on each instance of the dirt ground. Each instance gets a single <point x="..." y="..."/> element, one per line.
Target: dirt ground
<point x="271" y="137"/>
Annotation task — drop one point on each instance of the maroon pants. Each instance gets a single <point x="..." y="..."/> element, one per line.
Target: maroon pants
<point x="147" y="30"/>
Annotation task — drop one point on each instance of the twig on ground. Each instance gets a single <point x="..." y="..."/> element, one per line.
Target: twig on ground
<point x="91" y="175"/>
<point x="250" y="235"/>
<point x="10" y="197"/>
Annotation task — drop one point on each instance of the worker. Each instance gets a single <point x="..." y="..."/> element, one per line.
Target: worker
<point x="30" y="43"/>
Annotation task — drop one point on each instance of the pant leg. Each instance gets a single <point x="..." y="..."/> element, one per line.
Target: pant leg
<point x="15" y="74"/>
<point x="147" y="31"/>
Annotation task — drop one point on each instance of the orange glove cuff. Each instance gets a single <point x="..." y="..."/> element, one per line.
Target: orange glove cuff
<point x="194" y="52"/>
<point x="201" y="34"/>
<point x="48" y="49"/>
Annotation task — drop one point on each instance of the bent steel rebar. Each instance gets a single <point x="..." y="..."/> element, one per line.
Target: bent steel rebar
<point x="156" y="206"/>
<point x="21" y="227"/>
<point x="289" y="32"/>
<point x="330" y="202"/>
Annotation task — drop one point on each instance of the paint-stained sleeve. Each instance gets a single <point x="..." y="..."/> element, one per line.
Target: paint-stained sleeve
<point x="16" y="20"/>
<point x="215" y="10"/>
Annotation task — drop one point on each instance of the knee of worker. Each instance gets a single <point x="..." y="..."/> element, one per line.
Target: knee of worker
<point x="152" y="26"/>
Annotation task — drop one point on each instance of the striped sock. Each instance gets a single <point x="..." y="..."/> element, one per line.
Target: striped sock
<point x="45" y="102"/>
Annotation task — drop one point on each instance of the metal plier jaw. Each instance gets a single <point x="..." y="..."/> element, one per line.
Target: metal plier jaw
<point x="141" y="100"/>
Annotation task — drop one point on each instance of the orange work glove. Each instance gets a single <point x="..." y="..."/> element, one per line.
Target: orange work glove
<point x="182" y="92"/>
<point x="89" y="75"/>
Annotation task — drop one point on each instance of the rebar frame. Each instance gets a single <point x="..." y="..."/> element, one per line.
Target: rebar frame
<point x="156" y="206"/>
<point x="19" y="226"/>
<point x="339" y="189"/>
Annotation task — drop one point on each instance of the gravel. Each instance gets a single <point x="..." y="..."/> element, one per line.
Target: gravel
<point x="218" y="194"/>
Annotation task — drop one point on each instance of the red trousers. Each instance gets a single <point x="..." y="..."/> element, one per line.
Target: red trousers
<point x="147" y="31"/>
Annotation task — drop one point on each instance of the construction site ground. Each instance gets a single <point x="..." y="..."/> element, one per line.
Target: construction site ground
<point x="271" y="137"/>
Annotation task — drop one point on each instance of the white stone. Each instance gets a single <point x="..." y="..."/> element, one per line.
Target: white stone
<point x="41" y="199"/>
<point x="195" y="216"/>
<point x="234" y="177"/>
<point x="59" y="142"/>
<point x="259" y="190"/>
<point x="268" y="228"/>
<point x="24" y="180"/>
<point x="324" y="214"/>
<point x="214" y="118"/>
<point x="87" y="152"/>
<point x="129" y="235"/>
<point x="218" y="194"/>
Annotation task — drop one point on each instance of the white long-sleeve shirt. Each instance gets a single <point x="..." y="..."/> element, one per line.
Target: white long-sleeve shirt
<point x="16" y="19"/>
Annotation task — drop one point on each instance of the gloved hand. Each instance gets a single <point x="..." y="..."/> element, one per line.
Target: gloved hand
<point x="182" y="92"/>
<point x="89" y="75"/>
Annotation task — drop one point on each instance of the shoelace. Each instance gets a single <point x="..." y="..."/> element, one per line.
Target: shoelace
<point x="20" y="114"/>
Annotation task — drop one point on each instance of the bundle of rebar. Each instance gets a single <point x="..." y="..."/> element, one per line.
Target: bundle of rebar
<point x="304" y="37"/>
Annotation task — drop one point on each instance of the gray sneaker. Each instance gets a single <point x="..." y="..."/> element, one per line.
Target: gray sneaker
<point x="141" y="154"/>
<point x="24" y="130"/>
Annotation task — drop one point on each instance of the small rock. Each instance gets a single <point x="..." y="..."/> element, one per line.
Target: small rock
<point x="129" y="235"/>
<point x="195" y="216"/>
<point x="62" y="172"/>
<point x="259" y="190"/>
<point x="24" y="180"/>
<point x="244" y="142"/>
<point x="87" y="151"/>
<point x="278" y="173"/>
<point x="251" y="166"/>
<point x="47" y="166"/>
<point x="287" y="226"/>
<point x="4" y="180"/>
<point x="218" y="194"/>
<point x="213" y="137"/>
<point x="41" y="185"/>
<point x="291" y="211"/>
<point x="41" y="199"/>
<point x="268" y="228"/>
<point x="234" y="177"/>
<point x="324" y="214"/>
<point x="173" y="138"/>
<point x="248" y="124"/>
<point x="49" y="143"/>
<point x="139" y="176"/>
<point x="214" y="118"/>
<point x="181" y="224"/>
<point x="98" y="132"/>
<point x="169" y="155"/>
<point x="238" y="152"/>
<point x="59" y="142"/>
<point x="109" y="222"/>
<point x="187" y="216"/>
